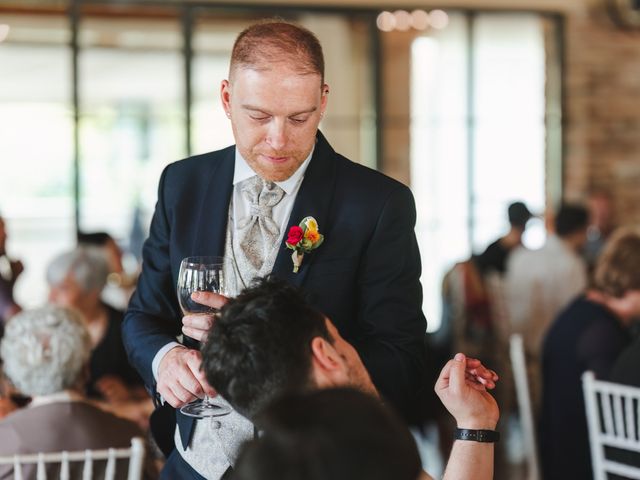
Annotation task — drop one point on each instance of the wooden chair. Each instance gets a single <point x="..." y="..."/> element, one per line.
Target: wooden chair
<point x="613" y="418"/>
<point x="135" y="454"/>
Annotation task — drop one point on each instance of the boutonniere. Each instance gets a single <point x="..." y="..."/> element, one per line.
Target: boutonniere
<point x="303" y="238"/>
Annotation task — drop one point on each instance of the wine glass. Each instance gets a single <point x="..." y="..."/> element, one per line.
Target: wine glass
<point x="204" y="274"/>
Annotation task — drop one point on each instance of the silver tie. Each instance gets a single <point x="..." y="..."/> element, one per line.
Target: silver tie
<point x="258" y="233"/>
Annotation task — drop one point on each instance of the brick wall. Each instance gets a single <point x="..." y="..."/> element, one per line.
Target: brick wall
<point x="602" y="115"/>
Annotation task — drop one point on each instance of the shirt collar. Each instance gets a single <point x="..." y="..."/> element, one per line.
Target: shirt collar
<point x="243" y="171"/>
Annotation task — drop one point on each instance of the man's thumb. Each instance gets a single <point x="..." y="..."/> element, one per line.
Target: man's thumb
<point x="457" y="375"/>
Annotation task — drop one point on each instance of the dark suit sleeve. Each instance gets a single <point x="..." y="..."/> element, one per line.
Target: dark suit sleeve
<point x="390" y="305"/>
<point x="151" y="319"/>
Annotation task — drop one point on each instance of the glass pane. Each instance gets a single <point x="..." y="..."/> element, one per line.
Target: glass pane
<point x="509" y="105"/>
<point x="439" y="155"/>
<point x="132" y="120"/>
<point x="506" y="159"/>
<point x="212" y="43"/>
<point x="349" y="122"/>
<point x="36" y="147"/>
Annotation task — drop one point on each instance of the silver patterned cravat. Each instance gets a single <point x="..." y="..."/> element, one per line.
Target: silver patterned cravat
<point x="258" y="233"/>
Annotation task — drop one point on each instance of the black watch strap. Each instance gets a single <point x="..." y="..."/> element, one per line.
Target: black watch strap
<point x="484" y="436"/>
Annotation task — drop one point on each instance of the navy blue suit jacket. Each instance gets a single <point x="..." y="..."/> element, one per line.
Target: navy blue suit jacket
<point x="365" y="276"/>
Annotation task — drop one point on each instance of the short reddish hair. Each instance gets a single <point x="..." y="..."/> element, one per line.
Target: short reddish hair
<point x="275" y="41"/>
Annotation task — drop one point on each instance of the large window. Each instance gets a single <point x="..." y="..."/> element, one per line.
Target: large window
<point x="477" y="136"/>
<point x="147" y="80"/>
<point x="36" y="146"/>
<point x="131" y="91"/>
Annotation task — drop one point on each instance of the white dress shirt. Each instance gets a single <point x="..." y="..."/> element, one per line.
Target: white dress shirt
<point x="539" y="284"/>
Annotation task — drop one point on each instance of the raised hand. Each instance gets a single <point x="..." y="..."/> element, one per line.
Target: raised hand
<point x="464" y="395"/>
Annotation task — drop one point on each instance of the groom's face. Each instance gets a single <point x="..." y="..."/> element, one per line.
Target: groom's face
<point x="274" y="114"/>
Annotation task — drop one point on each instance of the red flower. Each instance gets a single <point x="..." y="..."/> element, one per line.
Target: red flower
<point x="295" y="235"/>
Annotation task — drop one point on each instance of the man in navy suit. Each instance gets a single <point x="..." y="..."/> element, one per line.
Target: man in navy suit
<point x="365" y="275"/>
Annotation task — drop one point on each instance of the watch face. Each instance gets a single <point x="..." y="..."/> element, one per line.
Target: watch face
<point x="625" y="13"/>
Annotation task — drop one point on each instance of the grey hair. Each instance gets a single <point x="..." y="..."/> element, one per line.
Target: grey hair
<point x="87" y="265"/>
<point x="45" y="350"/>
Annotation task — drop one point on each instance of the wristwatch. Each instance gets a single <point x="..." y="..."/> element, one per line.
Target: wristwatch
<point x="484" y="436"/>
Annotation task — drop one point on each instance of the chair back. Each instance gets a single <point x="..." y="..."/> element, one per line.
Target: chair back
<point x="518" y="364"/>
<point x="135" y="454"/>
<point x="613" y="419"/>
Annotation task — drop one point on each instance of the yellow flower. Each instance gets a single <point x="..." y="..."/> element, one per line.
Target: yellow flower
<point x="312" y="225"/>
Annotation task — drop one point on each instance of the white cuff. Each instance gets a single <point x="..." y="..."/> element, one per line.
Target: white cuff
<point x="155" y="364"/>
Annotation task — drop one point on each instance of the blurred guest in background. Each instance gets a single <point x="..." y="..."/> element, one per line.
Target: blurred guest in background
<point x="540" y="283"/>
<point x="76" y="280"/>
<point x="9" y="272"/>
<point x="601" y="224"/>
<point x="494" y="258"/>
<point x="588" y="335"/>
<point x="120" y="283"/>
<point x="45" y="354"/>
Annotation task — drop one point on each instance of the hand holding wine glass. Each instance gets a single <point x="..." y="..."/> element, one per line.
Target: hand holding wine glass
<point x="203" y="283"/>
<point x="197" y="325"/>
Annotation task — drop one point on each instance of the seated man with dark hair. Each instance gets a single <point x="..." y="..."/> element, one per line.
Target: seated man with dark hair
<point x="269" y="341"/>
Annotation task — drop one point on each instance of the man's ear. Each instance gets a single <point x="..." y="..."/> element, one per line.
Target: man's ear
<point x="225" y="96"/>
<point x="327" y="365"/>
<point x="324" y="98"/>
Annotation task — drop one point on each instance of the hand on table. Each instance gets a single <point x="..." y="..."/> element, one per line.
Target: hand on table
<point x="180" y="379"/>
<point x="464" y="393"/>
<point x="197" y="326"/>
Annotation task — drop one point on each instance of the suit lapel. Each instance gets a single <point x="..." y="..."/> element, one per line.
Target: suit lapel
<point x="210" y="236"/>
<point x="313" y="200"/>
<point x="214" y="209"/>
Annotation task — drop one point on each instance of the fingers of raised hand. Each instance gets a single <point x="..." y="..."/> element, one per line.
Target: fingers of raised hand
<point x="475" y="383"/>
<point x="481" y="370"/>
<point x="482" y="374"/>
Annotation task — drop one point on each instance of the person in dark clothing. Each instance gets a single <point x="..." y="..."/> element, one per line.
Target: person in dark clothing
<point x="626" y="370"/>
<point x="494" y="258"/>
<point x="588" y="335"/>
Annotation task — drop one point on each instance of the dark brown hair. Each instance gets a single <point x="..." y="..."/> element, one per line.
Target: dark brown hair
<point x="260" y="346"/>
<point x="329" y="434"/>
<point x="618" y="267"/>
<point x="275" y="41"/>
